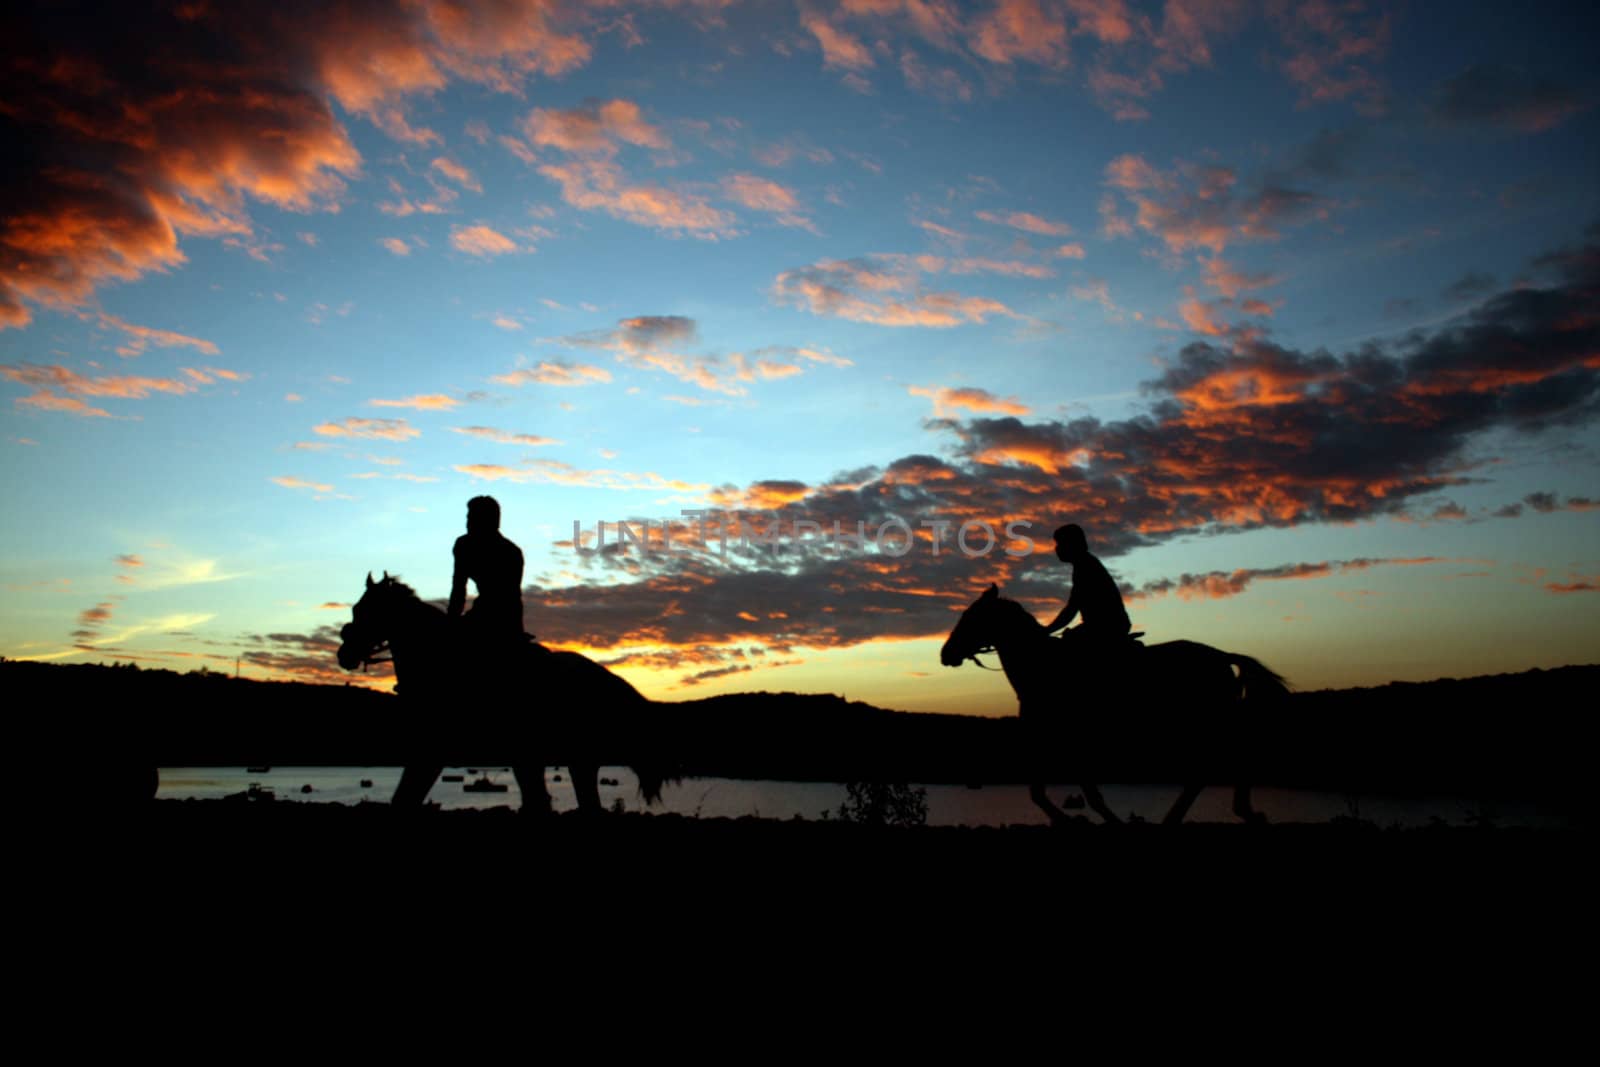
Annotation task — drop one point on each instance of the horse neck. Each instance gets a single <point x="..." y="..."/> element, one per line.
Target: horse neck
<point x="416" y="625"/>
<point x="1020" y="647"/>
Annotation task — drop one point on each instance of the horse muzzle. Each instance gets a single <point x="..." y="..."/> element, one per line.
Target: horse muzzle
<point x="349" y="658"/>
<point x="351" y="654"/>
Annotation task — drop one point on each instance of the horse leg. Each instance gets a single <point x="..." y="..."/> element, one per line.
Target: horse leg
<point x="1097" y="804"/>
<point x="586" y="784"/>
<point x="1057" y="817"/>
<point x="1180" y="807"/>
<point x="1241" y="805"/>
<point x="530" y="780"/>
<point x="414" y="785"/>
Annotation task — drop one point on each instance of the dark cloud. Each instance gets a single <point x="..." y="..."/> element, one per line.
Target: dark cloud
<point x="1330" y="153"/>
<point x="1507" y="97"/>
<point x="1470" y="286"/>
<point x="1401" y="307"/>
<point x="127" y="127"/>
<point x="308" y="657"/>
<point x="1545" y="503"/>
<point x="1237" y="435"/>
<point x="1195" y="207"/>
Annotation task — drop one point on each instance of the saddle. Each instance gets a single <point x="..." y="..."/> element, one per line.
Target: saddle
<point x="1100" y="653"/>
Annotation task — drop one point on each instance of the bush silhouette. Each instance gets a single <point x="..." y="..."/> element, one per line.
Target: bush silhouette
<point x="884" y="804"/>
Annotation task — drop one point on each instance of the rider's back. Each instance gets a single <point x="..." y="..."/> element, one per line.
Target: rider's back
<point x="494" y="564"/>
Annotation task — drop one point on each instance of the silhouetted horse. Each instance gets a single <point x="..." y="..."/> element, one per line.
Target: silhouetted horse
<point x="1177" y="675"/>
<point x="456" y="693"/>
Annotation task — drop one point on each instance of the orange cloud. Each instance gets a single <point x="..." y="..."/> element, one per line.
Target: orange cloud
<point x="760" y="194"/>
<point x="1199" y="317"/>
<point x="481" y="241"/>
<point x="396" y="246"/>
<point x="1131" y="172"/>
<point x="1021" y="30"/>
<point x="228" y="104"/>
<point x="198" y="131"/>
<point x="1028" y="223"/>
<point x="300" y="483"/>
<point x="1230" y="282"/>
<point x="969" y="399"/>
<point x="429" y="402"/>
<point x="1580" y="585"/>
<point x="599" y="185"/>
<point x="862" y="291"/>
<point x="597" y="129"/>
<point x="1332" y="49"/>
<point x="142" y="337"/>
<point x="555" y="373"/>
<point x="504" y="437"/>
<point x="376" y="429"/>
<point x="50" y="382"/>
<point x="763" y="496"/>
<point x="1107" y="20"/>
<point x="457" y="173"/>
<point x="1198" y="206"/>
<point x="840" y="49"/>
<point x="1219" y="585"/>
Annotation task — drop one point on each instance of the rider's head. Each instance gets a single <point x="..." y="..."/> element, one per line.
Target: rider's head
<point x="483" y="514"/>
<point x="1071" y="543"/>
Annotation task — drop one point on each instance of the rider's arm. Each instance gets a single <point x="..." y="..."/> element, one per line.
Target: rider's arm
<point x="458" y="585"/>
<point x="1067" y="614"/>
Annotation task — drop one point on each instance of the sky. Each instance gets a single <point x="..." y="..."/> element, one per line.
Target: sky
<point x="1294" y="307"/>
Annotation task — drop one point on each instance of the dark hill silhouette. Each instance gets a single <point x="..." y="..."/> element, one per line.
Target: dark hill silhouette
<point x="1514" y="735"/>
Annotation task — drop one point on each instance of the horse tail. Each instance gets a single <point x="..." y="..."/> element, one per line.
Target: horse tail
<point x="1257" y="682"/>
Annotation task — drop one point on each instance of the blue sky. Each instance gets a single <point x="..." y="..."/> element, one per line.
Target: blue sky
<point x="1292" y="306"/>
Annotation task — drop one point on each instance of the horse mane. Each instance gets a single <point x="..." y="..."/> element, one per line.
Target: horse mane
<point x="1015" y="608"/>
<point x="395" y="584"/>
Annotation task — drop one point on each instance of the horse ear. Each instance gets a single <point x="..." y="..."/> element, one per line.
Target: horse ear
<point x="992" y="591"/>
<point x="370" y="582"/>
<point x="386" y="576"/>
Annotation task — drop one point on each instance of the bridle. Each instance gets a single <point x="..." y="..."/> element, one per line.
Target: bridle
<point x="973" y="656"/>
<point x="975" y="653"/>
<point x="374" y="650"/>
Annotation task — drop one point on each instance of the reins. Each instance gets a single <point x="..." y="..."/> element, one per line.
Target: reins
<point x="376" y="655"/>
<point x="974" y="658"/>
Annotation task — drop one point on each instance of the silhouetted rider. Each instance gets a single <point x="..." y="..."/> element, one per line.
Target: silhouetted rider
<point x="1095" y="597"/>
<point x="494" y="564"/>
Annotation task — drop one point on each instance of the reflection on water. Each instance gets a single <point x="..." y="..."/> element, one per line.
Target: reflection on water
<point x="948" y="805"/>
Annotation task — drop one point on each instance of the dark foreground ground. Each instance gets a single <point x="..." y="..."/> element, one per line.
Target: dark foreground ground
<point x="355" y="849"/>
<point x="357" y="904"/>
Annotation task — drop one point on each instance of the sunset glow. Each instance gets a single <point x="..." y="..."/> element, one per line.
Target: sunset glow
<point x="1295" y="307"/>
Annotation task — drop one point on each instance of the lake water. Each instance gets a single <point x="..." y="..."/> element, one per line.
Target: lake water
<point x="948" y="805"/>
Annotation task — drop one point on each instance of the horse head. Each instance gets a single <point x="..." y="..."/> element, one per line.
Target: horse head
<point x="371" y="623"/>
<point x="974" y="632"/>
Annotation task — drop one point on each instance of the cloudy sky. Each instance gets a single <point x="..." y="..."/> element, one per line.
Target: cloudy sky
<point x="1294" y="306"/>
